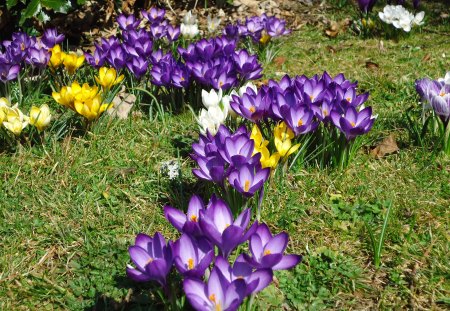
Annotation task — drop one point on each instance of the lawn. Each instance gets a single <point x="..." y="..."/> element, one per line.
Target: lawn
<point x="72" y="207"/>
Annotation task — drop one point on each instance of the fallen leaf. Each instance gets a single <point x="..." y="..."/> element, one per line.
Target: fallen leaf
<point x="372" y="65"/>
<point x="331" y="49"/>
<point x="337" y="27"/>
<point x="387" y="146"/>
<point x="279" y="61"/>
<point x="426" y="58"/>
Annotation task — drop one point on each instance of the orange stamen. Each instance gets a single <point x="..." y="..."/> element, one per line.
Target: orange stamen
<point x="190" y="263"/>
<point x="247" y="185"/>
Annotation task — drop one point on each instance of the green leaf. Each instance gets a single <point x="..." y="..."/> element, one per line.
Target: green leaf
<point x="10" y="4"/>
<point x="61" y="6"/>
<point x="31" y="10"/>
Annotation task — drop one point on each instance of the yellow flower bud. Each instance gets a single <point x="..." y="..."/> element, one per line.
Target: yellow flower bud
<point x="107" y="77"/>
<point x="57" y="57"/>
<point x="40" y="117"/>
<point x="72" y="62"/>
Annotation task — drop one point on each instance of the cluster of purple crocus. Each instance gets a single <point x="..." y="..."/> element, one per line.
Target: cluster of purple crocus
<point x="134" y="50"/>
<point x="203" y="228"/>
<point x="257" y="26"/>
<point x="217" y="63"/>
<point x="213" y="63"/>
<point x="437" y="95"/>
<point x="24" y="50"/>
<point x="229" y="156"/>
<point x="304" y="102"/>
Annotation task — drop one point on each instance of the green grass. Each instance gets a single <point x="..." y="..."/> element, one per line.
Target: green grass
<point x="71" y="208"/>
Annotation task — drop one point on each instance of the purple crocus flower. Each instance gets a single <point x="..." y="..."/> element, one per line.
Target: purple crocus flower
<point x="231" y="31"/>
<point x="173" y="33"/>
<point x="117" y="57"/>
<point x="189" y="222"/>
<point x="51" y="38"/>
<point x="247" y="179"/>
<point x="180" y="76"/>
<point x="158" y="30"/>
<point x="366" y="5"/>
<point x="267" y="250"/>
<point x="299" y="119"/>
<point x="353" y="123"/>
<point x="98" y="59"/>
<point x="192" y="257"/>
<point x="37" y="57"/>
<point x="251" y="105"/>
<point x="237" y="149"/>
<point x="211" y="169"/>
<point x="127" y="22"/>
<point x="216" y="294"/>
<point x="247" y="65"/>
<point x="219" y="227"/>
<point x="416" y="4"/>
<point x="256" y="281"/>
<point x="8" y="72"/>
<point x="276" y="27"/>
<point x="138" y="66"/>
<point x="441" y="103"/>
<point x="152" y="258"/>
<point x="154" y="14"/>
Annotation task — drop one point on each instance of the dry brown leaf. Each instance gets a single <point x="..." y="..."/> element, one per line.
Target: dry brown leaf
<point x="426" y="58"/>
<point x="372" y="65"/>
<point x="387" y="146"/>
<point x="337" y="27"/>
<point x="279" y="61"/>
<point x="331" y="49"/>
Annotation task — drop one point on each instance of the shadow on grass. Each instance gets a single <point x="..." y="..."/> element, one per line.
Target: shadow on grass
<point x="139" y="297"/>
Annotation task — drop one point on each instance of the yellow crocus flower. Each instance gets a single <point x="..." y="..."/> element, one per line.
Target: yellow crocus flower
<point x="282" y="137"/>
<point x="66" y="96"/>
<point x="40" y="117"/>
<point x="72" y="62"/>
<point x="92" y="108"/>
<point x="257" y="137"/>
<point x="107" y="77"/>
<point x="268" y="160"/>
<point x="15" y="120"/>
<point x="2" y="115"/>
<point x="265" y="38"/>
<point x="4" y="102"/>
<point x="57" y="57"/>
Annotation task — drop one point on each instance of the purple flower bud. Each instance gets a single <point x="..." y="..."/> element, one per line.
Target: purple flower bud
<point x="51" y="38"/>
<point x="8" y="72"/>
<point x="127" y="22"/>
<point x="152" y="258"/>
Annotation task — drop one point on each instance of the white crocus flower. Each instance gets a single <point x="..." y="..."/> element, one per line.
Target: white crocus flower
<point x="212" y="23"/>
<point x="445" y="80"/>
<point x="190" y="19"/>
<point x="212" y="118"/>
<point x="189" y="31"/>
<point x="244" y="88"/>
<point x="418" y="19"/>
<point x="212" y="98"/>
